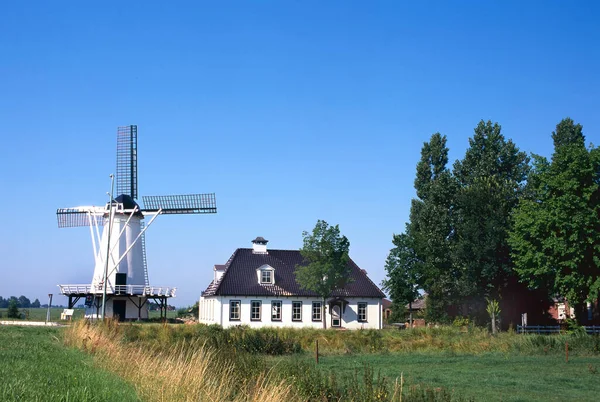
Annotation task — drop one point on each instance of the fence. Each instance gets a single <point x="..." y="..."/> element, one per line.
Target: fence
<point x="552" y="329"/>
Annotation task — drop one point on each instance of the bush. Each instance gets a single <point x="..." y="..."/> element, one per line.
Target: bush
<point x="13" y="310"/>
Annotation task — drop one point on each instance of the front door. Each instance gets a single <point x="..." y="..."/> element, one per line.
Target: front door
<point x="336" y="320"/>
<point x="119" y="309"/>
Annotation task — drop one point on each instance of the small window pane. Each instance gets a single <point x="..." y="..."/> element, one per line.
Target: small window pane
<point x="316" y="311"/>
<point x="276" y="311"/>
<point x="362" y="312"/>
<point x="255" y="310"/>
<point x="296" y="311"/>
<point x="234" y="310"/>
<point x="266" y="277"/>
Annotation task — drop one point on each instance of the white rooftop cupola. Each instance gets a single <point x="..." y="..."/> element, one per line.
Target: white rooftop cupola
<point x="259" y="245"/>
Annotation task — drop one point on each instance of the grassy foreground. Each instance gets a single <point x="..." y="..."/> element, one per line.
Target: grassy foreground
<point x="36" y="366"/>
<point x="486" y="377"/>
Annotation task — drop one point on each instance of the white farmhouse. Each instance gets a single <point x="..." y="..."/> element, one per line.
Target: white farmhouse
<point x="257" y="287"/>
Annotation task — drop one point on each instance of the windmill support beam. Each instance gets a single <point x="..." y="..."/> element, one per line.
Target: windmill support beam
<point x="73" y="301"/>
<point x="133" y="243"/>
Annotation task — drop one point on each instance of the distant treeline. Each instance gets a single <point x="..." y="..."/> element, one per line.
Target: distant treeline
<point x="21" y="302"/>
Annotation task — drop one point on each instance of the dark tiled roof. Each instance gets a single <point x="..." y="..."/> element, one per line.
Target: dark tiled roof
<point x="419" y="304"/>
<point x="240" y="278"/>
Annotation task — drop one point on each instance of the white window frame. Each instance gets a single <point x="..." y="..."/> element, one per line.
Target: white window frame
<point x="233" y="303"/>
<point x="318" y="310"/>
<point x="258" y="305"/>
<point x="294" y="307"/>
<point x="364" y="306"/>
<point x="262" y="276"/>
<point x="276" y="310"/>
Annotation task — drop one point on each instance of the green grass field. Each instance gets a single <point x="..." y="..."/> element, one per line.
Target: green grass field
<point x="36" y="366"/>
<point x="486" y="377"/>
<point x="39" y="314"/>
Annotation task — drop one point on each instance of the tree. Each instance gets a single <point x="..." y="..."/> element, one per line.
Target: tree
<point x="402" y="274"/>
<point x="24" y="302"/>
<point x="493" y="309"/>
<point x="556" y="236"/>
<point x="13" y="309"/>
<point x="491" y="177"/>
<point x="35" y="304"/>
<point x="431" y="227"/>
<point x="326" y="269"/>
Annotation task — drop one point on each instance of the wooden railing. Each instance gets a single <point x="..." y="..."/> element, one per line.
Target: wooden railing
<point x="136" y="290"/>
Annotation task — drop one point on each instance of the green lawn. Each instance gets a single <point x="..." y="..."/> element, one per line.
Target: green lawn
<point x="488" y="377"/>
<point x="39" y="314"/>
<point x="36" y="366"/>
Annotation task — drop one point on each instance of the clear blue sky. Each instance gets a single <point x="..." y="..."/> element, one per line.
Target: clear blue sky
<point x="291" y="111"/>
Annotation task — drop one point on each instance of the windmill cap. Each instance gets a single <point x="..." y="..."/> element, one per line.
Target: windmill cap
<point x="260" y="240"/>
<point x="128" y="202"/>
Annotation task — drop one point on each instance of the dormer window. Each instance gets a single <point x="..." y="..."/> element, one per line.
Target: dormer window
<point x="266" y="275"/>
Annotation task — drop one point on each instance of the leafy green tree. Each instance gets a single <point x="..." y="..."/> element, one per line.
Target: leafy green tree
<point x="491" y="177"/>
<point x="402" y="274"/>
<point x="556" y="236"/>
<point x="13" y="309"/>
<point x="24" y="302"/>
<point x="325" y="253"/>
<point x="35" y="304"/>
<point x="431" y="228"/>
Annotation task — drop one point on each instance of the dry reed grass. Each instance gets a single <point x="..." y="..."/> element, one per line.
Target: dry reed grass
<point x="176" y="373"/>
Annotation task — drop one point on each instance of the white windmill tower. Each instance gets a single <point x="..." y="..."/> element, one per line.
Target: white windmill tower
<point x="120" y="285"/>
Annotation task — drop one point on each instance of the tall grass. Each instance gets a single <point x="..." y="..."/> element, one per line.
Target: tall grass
<point x="207" y="363"/>
<point x="281" y="341"/>
<point x="180" y="371"/>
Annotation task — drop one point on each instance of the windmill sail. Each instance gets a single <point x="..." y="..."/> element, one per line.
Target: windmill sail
<point x="80" y="216"/>
<point x="181" y="204"/>
<point x="127" y="180"/>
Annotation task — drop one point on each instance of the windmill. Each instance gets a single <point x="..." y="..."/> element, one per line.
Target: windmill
<point x="120" y="285"/>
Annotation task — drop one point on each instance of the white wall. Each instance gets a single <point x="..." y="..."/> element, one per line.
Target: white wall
<point x="132" y="264"/>
<point x="215" y="310"/>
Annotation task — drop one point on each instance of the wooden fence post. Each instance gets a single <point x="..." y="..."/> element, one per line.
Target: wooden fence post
<point x="317" y="350"/>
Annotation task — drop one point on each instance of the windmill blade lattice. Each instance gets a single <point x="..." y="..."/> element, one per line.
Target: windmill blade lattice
<point x="76" y="217"/>
<point x="181" y="204"/>
<point x="127" y="179"/>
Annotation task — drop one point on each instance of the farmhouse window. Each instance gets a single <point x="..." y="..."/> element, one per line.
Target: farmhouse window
<point x="276" y="310"/>
<point x="297" y="311"/>
<point x="362" y="312"/>
<point x="255" y="310"/>
<point x="234" y="310"/>
<point x="266" y="276"/>
<point x="316" y="311"/>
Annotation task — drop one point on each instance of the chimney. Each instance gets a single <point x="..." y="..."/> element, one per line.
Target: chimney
<point x="219" y="271"/>
<point x="259" y="245"/>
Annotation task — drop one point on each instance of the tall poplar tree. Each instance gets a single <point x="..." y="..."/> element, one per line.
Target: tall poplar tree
<point x="556" y="235"/>
<point x="430" y="228"/>
<point x="491" y="177"/>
